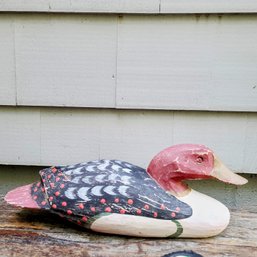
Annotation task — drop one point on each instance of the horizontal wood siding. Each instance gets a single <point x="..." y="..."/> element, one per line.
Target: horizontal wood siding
<point x="19" y="136"/>
<point x="208" y="6"/>
<point x="50" y="136"/>
<point x="82" y="6"/>
<point x="181" y="62"/>
<point x="7" y="62"/>
<point x="188" y="63"/>
<point x="130" y="6"/>
<point x="66" y="60"/>
<point x="148" y="80"/>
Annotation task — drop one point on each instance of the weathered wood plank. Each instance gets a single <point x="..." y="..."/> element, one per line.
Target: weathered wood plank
<point x="7" y="61"/>
<point x="24" y="233"/>
<point x="187" y="62"/>
<point x="66" y="60"/>
<point x="51" y="136"/>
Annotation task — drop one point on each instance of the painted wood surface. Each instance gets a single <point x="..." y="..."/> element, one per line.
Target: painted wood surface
<point x="52" y="136"/>
<point x="208" y="6"/>
<point x="182" y="62"/>
<point x="131" y="6"/>
<point x="185" y="62"/>
<point x="66" y="61"/>
<point x="7" y="62"/>
<point x="82" y="6"/>
<point x="24" y="233"/>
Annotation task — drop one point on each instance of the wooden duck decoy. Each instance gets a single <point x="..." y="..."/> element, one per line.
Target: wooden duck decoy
<point x="117" y="197"/>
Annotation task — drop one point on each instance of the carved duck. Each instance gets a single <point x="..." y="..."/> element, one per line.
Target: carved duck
<point x="117" y="197"/>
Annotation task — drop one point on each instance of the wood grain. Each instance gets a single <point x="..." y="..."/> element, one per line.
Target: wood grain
<point x="25" y="233"/>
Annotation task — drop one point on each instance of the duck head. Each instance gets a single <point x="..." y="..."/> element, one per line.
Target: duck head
<point x="175" y="164"/>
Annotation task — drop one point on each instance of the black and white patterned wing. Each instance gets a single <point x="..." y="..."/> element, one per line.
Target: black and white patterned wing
<point x="85" y="190"/>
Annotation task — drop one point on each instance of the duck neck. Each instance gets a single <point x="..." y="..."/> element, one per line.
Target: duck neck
<point x="170" y="182"/>
<point x="175" y="187"/>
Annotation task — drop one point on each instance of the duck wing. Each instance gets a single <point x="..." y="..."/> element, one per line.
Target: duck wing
<point x="85" y="190"/>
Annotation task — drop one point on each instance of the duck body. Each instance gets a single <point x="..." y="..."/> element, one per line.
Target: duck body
<point x="117" y="197"/>
<point x="109" y="196"/>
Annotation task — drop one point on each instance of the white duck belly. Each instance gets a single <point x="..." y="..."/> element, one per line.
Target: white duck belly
<point x="209" y="218"/>
<point x="134" y="226"/>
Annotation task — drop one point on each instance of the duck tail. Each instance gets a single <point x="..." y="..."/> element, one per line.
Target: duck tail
<point x="22" y="197"/>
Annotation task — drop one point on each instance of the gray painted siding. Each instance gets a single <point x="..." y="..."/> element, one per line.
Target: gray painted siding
<point x="126" y="67"/>
<point x="51" y="136"/>
<point x="131" y="6"/>
<point x="181" y="62"/>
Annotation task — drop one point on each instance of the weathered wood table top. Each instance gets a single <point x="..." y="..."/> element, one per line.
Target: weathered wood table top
<point x="26" y="233"/>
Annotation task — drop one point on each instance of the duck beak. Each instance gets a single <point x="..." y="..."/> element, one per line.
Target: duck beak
<point x="223" y="173"/>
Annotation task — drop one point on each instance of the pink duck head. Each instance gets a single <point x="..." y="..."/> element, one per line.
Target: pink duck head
<point x="182" y="162"/>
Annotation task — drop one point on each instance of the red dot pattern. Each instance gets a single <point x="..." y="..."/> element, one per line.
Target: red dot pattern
<point x="84" y="218"/>
<point x="108" y="209"/>
<point x="147" y="207"/>
<point x="103" y="201"/>
<point x="122" y="211"/>
<point x="178" y="209"/>
<point x="131" y="206"/>
<point x="81" y="206"/>
<point x="130" y="201"/>
<point x="139" y="211"/>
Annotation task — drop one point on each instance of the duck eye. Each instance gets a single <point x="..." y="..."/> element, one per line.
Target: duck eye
<point x="199" y="159"/>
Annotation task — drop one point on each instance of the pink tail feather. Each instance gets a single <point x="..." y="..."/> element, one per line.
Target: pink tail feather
<point x="21" y="197"/>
